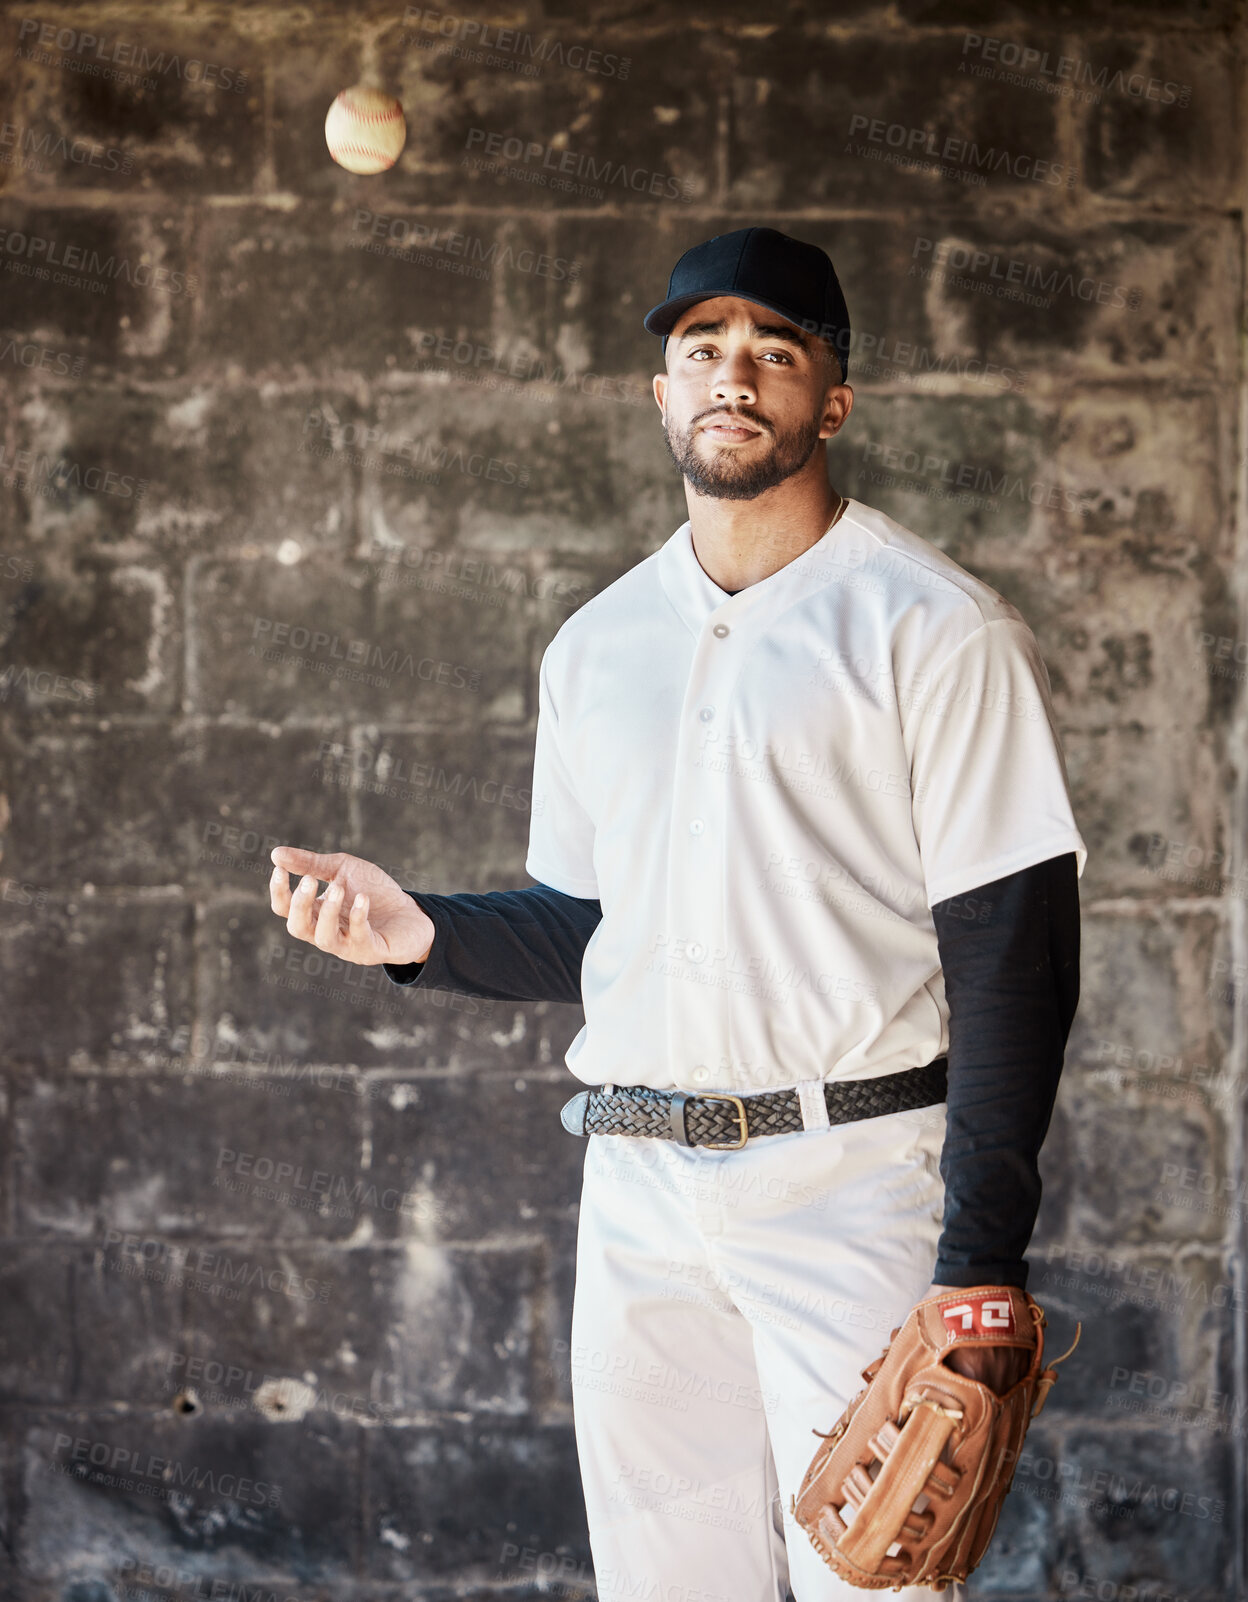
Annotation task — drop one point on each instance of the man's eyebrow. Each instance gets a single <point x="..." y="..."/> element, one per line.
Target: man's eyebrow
<point x="766" y="330"/>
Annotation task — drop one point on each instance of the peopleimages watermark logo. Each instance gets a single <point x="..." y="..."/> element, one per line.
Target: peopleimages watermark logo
<point x="1069" y="77"/>
<point x="83" y="267"/>
<point x="324" y="650"/>
<point x="90" y="52"/>
<point x="414" y="780"/>
<point x="373" y="445"/>
<point x="966" y="482"/>
<point x="152" y="1580"/>
<point x="468" y="361"/>
<point x="319" y="1190"/>
<point x="1118" y="1279"/>
<point x="1108" y="1492"/>
<point x="44" y="684"/>
<point x="1192" y="1403"/>
<point x="449" y="250"/>
<point x="32" y="356"/>
<point x="53" y="476"/>
<point x="213" y="1272"/>
<point x="1011" y="278"/>
<point x="215" y="1382"/>
<point x="126" y="1468"/>
<point x="470" y="39"/>
<point x="951" y="156"/>
<point x="31" y="151"/>
<point x="492" y="150"/>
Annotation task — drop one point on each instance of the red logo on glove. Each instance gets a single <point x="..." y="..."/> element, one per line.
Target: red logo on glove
<point x="985" y="1314"/>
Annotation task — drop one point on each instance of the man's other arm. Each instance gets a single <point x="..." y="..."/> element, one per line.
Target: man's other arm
<point x="1009" y="951"/>
<point x="510" y="945"/>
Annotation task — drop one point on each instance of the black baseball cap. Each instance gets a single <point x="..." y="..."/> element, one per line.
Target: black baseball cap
<point x="788" y="275"/>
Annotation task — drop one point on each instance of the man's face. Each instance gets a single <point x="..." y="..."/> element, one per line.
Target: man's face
<point x="746" y="398"/>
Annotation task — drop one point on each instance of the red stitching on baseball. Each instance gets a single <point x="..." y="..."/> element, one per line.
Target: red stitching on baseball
<point x="362" y="150"/>
<point x="371" y="116"/>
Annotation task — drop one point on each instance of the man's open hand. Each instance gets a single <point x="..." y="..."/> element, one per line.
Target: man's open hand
<point x="361" y="916"/>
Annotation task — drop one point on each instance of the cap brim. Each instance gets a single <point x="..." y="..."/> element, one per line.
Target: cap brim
<point x="661" y="319"/>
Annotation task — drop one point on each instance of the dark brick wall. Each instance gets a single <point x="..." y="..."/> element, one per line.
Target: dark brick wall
<point x="289" y="418"/>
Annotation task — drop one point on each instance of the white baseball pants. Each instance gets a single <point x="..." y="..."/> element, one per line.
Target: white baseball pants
<point x="725" y="1304"/>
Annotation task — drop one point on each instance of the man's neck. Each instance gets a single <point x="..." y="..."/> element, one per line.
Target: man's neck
<point x="739" y="543"/>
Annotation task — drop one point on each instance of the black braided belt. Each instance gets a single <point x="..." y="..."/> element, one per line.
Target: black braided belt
<point x="725" y="1122"/>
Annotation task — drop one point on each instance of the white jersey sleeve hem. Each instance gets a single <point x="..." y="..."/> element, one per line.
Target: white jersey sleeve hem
<point x="1012" y="862"/>
<point x="586" y="889"/>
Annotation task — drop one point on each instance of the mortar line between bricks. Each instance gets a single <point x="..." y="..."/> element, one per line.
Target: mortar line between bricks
<point x="413" y="384"/>
<point x="12" y="1158"/>
<point x="1213" y="1252"/>
<point x="1083" y="211"/>
<point x="723" y="142"/>
<point x="358" y="1535"/>
<point x="195" y="723"/>
<point x="380" y="1076"/>
<point x="252" y="29"/>
<point x="1147" y="906"/>
<point x="478" y="1245"/>
<point x="421" y="1418"/>
<point x="69" y="1268"/>
<point x="120" y="895"/>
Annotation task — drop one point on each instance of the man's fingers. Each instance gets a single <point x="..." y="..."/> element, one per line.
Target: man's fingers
<point x="324" y="864"/>
<point x="319" y="919"/>
<point x="302" y="920"/>
<point x="361" y="936"/>
<point x="279" y="892"/>
<point x="328" y="929"/>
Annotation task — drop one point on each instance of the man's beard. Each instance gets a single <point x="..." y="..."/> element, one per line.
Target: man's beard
<point x="727" y="475"/>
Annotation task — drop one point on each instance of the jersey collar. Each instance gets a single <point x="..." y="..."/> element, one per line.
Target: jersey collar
<point x="695" y="594"/>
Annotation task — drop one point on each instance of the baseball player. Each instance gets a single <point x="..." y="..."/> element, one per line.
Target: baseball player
<point x="805" y="852"/>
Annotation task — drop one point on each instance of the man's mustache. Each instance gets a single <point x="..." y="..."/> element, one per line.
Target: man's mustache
<point x="745" y="417"/>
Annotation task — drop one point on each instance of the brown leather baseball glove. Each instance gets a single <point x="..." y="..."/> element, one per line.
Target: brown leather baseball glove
<point x="909" y="1484"/>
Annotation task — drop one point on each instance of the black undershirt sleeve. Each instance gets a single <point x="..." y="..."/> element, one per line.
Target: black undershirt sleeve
<point x="1009" y="952"/>
<point x="510" y="945"/>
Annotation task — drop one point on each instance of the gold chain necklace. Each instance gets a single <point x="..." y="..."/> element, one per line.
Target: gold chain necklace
<point x="844" y="503"/>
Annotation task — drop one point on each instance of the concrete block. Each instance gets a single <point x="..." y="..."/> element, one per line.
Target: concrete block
<point x="1135" y="1504"/>
<point x="424" y="1523"/>
<point x="213" y="1499"/>
<point x="893" y="119"/>
<point x="280" y="1004"/>
<point x="1150" y="808"/>
<point x="333" y="287"/>
<point x="430" y="1138"/>
<point x="112" y="284"/>
<point x="1164" y="1181"/>
<point x="125" y="990"/>
<point x="553" y="114"/>
<point x="1167" y="101"/>
<point x="37" y="1354"/>
<point x="137" y="107"/>
<point x="251" y="1165"/>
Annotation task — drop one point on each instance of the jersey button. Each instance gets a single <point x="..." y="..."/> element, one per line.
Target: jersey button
<point x="720" y="630"/>
<point x="696" y="826"/>
<point x="701" y="1073"/>
<point x="707" y="713"/>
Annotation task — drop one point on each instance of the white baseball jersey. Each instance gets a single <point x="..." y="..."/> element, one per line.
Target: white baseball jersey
<point x="769" y="791"/>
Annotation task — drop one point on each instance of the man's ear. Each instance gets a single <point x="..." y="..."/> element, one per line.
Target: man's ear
<point x="837" y="407"/>
<point x="660" y="390"/>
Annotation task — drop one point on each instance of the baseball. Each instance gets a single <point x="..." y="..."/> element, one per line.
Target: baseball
<point x="365" y="130"/>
